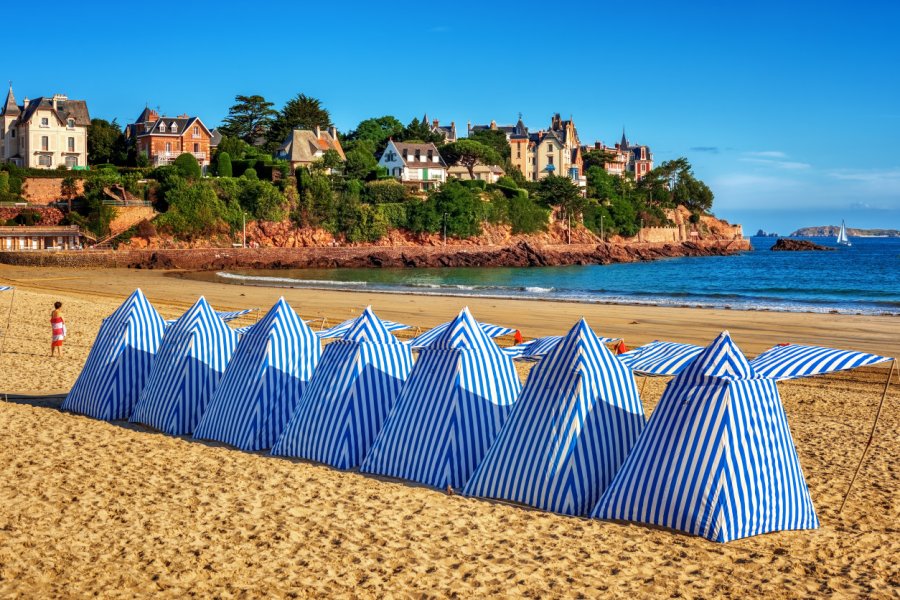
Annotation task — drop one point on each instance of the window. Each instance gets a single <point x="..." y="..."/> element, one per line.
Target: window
<point x="70" y="123"/>
<point x="162" y="127"/>
<point x="549" y="159"/>
<point x="45" y="160"/>
<point x="71" y="144"/>
<point x="45" y="122"/>
<point x="71" y="161"/>
<point x="196" y="131"/>
<point x="45" y="143"/>
<point x="196" y="148"/>
<point x="168" y="147"/>
<point x="174" y="127"/>
<point x="518" y="150"/>
<point x="14" y="133"/>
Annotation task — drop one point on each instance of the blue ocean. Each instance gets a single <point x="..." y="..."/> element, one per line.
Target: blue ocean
<point x="862" y="279"/>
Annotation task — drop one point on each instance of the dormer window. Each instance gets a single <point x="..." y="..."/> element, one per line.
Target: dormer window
<point x="418" y="156"/>
<point x="45" y="122"/>
<point x="174" y="127"/>
<point x="162" y="127"/>
<point x="70" y="123"/>
<point x="430" y="156"/>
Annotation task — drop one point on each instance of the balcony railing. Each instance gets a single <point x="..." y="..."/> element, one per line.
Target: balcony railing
<point x="166" y="157"/>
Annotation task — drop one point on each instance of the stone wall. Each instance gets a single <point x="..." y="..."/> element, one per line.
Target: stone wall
<point x="44" y="190"/>
<point x="129" y="216"/>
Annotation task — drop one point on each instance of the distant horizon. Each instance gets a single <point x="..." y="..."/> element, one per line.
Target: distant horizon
<point x="784" y="110"/>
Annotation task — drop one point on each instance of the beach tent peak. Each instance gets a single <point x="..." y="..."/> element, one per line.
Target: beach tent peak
<point x="721" y="359"/>
<point x="369" y="328"/>
<point x="464" y="332"/>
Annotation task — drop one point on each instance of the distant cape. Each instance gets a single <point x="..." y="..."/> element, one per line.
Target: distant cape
<point x="832" y="231"/>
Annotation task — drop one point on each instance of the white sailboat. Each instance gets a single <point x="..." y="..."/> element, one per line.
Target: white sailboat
<point x="842" y="238"/>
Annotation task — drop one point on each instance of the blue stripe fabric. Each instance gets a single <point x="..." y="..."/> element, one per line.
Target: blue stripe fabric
<point x="575" y="422"/>
<point x="263" y="382"/>
<point x="793" y="361"/>
<point x="429" y="337"/>
<point x="349" y="396"/>
<point x="119" y="361"/>
<point x="660" y="358"/>
<point x="340" y="330"/>
<point x="6" y="288"/>
<point x="449" y="412"/>
<point x="189" y="364"/>
<point x="534" y="350"/>
<point x="716" y="459"/>
<point x="226" y="316"/>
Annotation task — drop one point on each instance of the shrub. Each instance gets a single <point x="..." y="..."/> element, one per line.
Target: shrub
<point x="4" y="182"/>
<point x="187" y="166"/>
<point x="393" y="214"/>
<point x="223" y="168"/>
<point x="525" y="216"/>
<point x="250" y="174"/>
<point x="473" y="184"/>
<point x="385" y="191"/>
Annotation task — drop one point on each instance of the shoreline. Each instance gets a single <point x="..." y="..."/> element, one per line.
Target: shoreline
<point x="360" y="286"/>
<point x="754" y="331"/>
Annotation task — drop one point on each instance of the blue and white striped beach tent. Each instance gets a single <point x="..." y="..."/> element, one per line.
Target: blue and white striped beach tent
<point x="226" y="316"/>
<point x="432" y="335"/>
<point x="536" y="349"/>
<point x="349" y="397"/>
<point x="716" y="458"/>
<point x="119" y="362"/>
<point x="6" y="288"/>
<point x="189" y="364"/>
<point x="793" y="361"/>
<point x="569" y="432"/>
<point x="263" y="382"/>
<point x="448" y="414"/>
<point x="660" y="358"/>
<point x="341" y="329"/>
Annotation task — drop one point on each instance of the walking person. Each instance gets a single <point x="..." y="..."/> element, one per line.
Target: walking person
<point x="58" y="329"/>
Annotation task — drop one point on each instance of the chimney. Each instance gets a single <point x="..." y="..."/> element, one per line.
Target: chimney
<point x="183" y="116"/>
<point x="436" y="123"/>
<point x="333" y="132"/>
<point x="318" y="132"/>
<point x="57" y="98"/>
<point x="598" y="145"/>
<point x="493" y="124"/>
<point x="152" y="116"/>
<point x="25" y="103"/>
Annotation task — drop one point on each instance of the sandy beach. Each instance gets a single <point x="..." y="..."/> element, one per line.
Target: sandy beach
<point x="110" y="509"/>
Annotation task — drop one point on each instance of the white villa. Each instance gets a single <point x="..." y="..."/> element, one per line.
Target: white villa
<point x="418" y="166"/>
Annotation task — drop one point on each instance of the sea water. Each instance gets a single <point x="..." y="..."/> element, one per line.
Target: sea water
<point x="864" y="278"/>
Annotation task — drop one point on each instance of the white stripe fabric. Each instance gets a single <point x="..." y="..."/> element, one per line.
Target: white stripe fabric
<point x="537" y="349"/>
<point x="570" y="430"/>
<point x="716" y="459"/>
<point x="6" y="288"/>
<point x="340" y="330"/>
<point x="263" y="382"/>
<point x="451" y="408"/>
<point x="792" y="361"/>
<point x="226" y="316"/>
<point x="119" y="361"/>
<point x="429" y="337"/>
<point x="660" y="358"/>
<point x="350" y="395"/>
<point x="189" y="364"/>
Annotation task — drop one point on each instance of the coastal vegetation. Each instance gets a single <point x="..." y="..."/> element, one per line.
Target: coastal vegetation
<point x="352" y="198"/>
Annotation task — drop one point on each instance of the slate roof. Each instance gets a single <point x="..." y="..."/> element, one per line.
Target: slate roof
<point x="65" y="110"/>
<point x="407" y="152"/>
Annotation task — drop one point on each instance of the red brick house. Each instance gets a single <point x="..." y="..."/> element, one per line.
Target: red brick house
<point x="163" y="139"/>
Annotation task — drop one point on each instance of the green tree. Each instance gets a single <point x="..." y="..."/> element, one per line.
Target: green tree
<point x="250" y="173"/>
<point x="106" y="143"/>
<point x="300" y="112"/>
<point x="597" y="158"/>
<point x="561" y="193"/>
<point x="186" y="165"/>
<point x="4" y="182"/>
<point x="236" y="148"/>
<point x="223" y="164"/>
<point x="249" y="118"/>
<point x="421" y="132"/>
<point x="454" y="206"/>
<point x="375" y="131"/>
<point x="68" y="190"/>
<point x="360" y="163"/>
<point x="469" y="153"/>
<point x="494" y="139"/>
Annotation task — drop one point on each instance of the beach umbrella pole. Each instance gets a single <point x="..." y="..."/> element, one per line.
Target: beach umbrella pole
<point x="12" y="301"/>
<point x="871" y="435"/>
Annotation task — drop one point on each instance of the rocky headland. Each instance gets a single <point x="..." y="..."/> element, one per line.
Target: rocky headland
<point x="787" y="245"/>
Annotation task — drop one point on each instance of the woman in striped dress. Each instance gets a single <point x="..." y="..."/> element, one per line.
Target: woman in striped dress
<point x="58" y="329"/>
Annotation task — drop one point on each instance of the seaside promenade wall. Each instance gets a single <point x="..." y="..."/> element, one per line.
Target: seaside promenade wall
<point x="519" y="255"/>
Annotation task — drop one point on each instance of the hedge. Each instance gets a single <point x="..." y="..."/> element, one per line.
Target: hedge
<point x="385" y="191"/>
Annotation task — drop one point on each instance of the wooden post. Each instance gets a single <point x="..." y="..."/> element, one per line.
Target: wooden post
<point x="871" y="435"/>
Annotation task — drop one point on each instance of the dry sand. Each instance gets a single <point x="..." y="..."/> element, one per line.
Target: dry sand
<point x="88" y="507"/>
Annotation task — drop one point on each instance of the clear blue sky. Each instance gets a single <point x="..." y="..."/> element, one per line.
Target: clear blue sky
<point x="789" y="110"/>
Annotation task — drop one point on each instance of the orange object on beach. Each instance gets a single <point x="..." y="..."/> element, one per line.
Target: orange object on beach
<point x="518" y="337"/>
<point x="621" y="348"/>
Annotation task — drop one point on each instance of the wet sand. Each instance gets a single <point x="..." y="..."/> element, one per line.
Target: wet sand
<point x="88" y="507"/>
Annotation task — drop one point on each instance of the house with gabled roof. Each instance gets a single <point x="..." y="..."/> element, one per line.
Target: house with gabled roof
<point x="418" y="166"/>
<point x="303" y="147"/>
<point x="44" y="133"/>
<point x="163" y="139"/>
